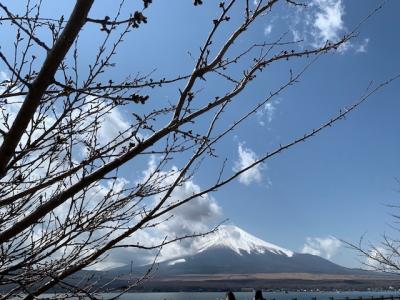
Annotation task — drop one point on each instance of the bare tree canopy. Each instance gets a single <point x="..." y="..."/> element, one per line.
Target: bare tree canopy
<point x="63" y="206"/>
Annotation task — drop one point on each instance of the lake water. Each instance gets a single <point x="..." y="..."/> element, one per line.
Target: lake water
<point x="249" y="295"/>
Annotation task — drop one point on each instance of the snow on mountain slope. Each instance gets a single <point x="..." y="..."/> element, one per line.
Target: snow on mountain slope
<point x="177" y="261"/>
<point x="232" y="237"/>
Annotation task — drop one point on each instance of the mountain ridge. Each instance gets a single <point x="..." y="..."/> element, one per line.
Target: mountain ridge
<point x="234" y="259"/>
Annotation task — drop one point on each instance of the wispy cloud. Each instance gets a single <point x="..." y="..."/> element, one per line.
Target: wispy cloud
<point x="325" y="247"/>
<point x="362" y="48"/>
<point x="267" y="112"/>
<point x="267" y="29"/>
<point x="246" y="157"/>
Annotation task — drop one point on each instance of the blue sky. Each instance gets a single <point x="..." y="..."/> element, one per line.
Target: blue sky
<point x="336" y="184"/>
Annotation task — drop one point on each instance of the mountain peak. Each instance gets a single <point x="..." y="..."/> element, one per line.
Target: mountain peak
<point x="235" y="238"/>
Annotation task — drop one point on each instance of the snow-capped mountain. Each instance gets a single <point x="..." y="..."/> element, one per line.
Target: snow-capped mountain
<point x="238" y="240"/>
<point x="231" y="250"/>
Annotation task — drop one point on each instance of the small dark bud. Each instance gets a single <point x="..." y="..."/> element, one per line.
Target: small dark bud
<point x="146" y="3"/>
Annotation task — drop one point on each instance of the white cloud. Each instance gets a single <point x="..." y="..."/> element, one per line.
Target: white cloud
<point x="8" y="111"/>
<point x="193" y="216"/>
<point x="325" y="247"/>
<point x="122" y="256"/>
<point x="196" y="216"/>
<point x="310" y="250"/>
<point x="246" y="158"/>
<point x="268" y="29"/>
<point x="112" y="124"/>
<point x="328" y="22"/>
<point x="322" y="21"/>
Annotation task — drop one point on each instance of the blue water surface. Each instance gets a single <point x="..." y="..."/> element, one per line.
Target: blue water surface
<point x="249" y="295"/>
